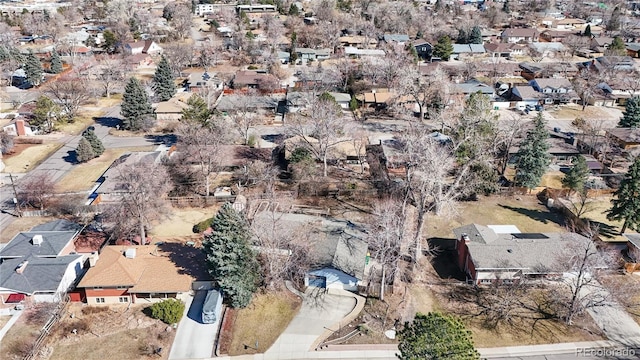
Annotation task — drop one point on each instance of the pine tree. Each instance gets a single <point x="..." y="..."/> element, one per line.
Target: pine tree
<point x="84" y="151"/>
<point x="56" y="63"/>
<point x="475" y="37"/>
<point x="505" y="7"/>
<point x="577" y="175"/>
<point x="33" y="69"/>
<point x="45" y="114"/>
<point x="96" y="144"/>
<point x="197" y="110"/>
<point x="230" y="259"/>
<point x="617" y="47"/>
<point x="293" y="55"/>
<point x="135" y="107"/>
<point x="631" y="116"/>
<point x="533" y="156"/>
<point x="443" y="48"/>
<point x="626" y="205"/>
<point x="463" y="37"/>
<point x="436" y="336"/>
<point x="587" y="31"/>
<point x="164" y="84"/>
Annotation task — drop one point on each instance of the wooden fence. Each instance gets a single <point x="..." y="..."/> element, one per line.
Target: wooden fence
<point x="46" y="329"/>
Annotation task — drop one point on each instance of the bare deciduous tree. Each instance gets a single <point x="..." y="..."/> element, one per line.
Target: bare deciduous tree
<point x="141" y="188"/>
<point x="70" y="94"/>
<point x="36" y="190"/>
<point x="319" y="128"/>
<point x="201" y="145"/>
<point x="244" y="115"/>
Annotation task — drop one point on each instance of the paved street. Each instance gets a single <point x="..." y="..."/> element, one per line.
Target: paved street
<point x="194" y="340"/>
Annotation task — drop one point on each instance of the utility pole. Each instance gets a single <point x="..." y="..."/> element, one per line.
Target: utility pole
<point x="15" y="196"/>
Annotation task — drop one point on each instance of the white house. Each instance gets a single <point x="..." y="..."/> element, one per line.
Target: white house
<point x="142" y="47"/>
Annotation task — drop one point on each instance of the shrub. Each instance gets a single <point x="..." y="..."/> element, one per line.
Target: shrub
<point x="93" y="310"/>
<point x="202" y="225"/>
<point x="252" y="67"/>
<point x="251" y="141"/>
<point x="299" y="155"/>
<point x="21" y="347"/>
<point x="169" y="311"/>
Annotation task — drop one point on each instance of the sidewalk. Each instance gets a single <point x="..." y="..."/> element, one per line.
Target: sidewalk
<point x="16" y="315"/>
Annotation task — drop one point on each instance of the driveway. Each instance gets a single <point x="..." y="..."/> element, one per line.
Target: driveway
<point x="317" y="314"/>
<point x="194" y="340"/>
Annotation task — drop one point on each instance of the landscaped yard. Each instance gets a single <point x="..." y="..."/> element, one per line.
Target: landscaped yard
<point x="524" y="211"/>
<point x="609" y="230"/>
<point x="84" y="176"/>
<point x="29" y="157"/>
<point x="180" y="222"/>
<point x="114" y="332"/>
<point x="260" y="323"/>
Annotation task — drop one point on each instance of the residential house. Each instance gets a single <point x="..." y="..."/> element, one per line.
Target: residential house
<point x="423" y="48"/>
<point x="138" y="274"/>
<point x="548" y="69"/>
<point x="109" y="189"/>
<point x="626" y="138"/>
<point x="18" y="127"/>
<point x="498" y="69"/>
<point x="555" y="35"/>
<point x="360" y="53"/>
<point x="137" y="61"/>
<point x="343" y="99"/>
<point x="199" y="80"/>
<point x="600" y="44"/>
<point x="633" y="50"/>
<point x="396" y="39"/>
<point x="519" y="35"/>
<point x="306" y="54"/>
<point x="473" y="86"/>
<point x="561" y="149"/>
<point x="232" y="102"/>
<point x="256" y="10"/>
<point x="632" y="253"/>
<point x="462" y="51"/>
<point x="171" y="110"/>
<point x="524" y="95"/>
<point x="504" y="255"/>
<point x="569" y="24"/>
<point x="249" y="79"/>
<point x="142" y="47"/>
<point x="40" y="265"/>
<point x="604" y="63"/>
<point x="556" y="90"/>
<point x="505" y="50"/>
<point x="357" y="41"/>
<point x="547" y="49"/>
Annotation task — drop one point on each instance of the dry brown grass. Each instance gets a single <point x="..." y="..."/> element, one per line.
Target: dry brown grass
<point x="523" y="211"/>
<point x="84" y="176"/>
<point x="30" y="157"/>
<point x="181" y="221"/>
<point x="20" y="338"/>
<point x="4" y="320"/>
<point x="627" y="288"/>
<point x="263" y="320"/>
<point x="21" y="224"/>
<point x="84" y="119"/>
<point x="609" y="230"/>
<point x="590" y="113"/>
<point x="122" y="345"/>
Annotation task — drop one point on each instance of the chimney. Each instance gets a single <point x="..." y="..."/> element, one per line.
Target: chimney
<point x="20" y="268"/>
<point x="20" y="131"/>
<point x="130" y="253"/>
<point x="93" y="259"/>
<point x="466" y="239"/>
<point x="37" y="240"/>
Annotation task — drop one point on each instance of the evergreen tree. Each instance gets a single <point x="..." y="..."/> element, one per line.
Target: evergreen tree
<point x="293" y="10"/>
<point x="475" y="37"/>
<point x="96" y="144"/>
<point x="617" y="47"/>
<point x="439" y="6"/>
<point x="587" y="31"/>
<point x="443" y="48"/>
<point x="197" y="110"/>
<point x="110" y="42"/>
<point x="135" y="108"/>
<point x="230" y="259"/>
<point x="84" y="151"/>
<point x="626" y="205"/>
<point x="533" y="156"/>
<point x="45" y="114"/>
<point x="631" y="115"/>
<point x="577" y="175"/>
<point x="164" y="85"/>
<point x="33" y="69"/>
<point x="293" y="55"/>
<point x="505" y="7"/>
<point x="463" y="37"/>
<point x="56" y="63"/>
<point x="436" y="336"/>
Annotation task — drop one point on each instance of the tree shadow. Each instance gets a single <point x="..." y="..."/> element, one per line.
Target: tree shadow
<point x="273" y="138"/>
<point x="606" y="230"/>
<point x="444" y="261"/>
<point x="107" y="121"/>
<point x="544" y="217"/>
<point x="165" y="139"/>
<point x="71" y="157"/>
<point x="188" y="259"/>
<point x="253" y="154"/>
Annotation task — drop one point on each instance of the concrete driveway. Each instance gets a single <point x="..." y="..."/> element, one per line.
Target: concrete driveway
<point x="194" y="340"/>
<point x="317" y="314"/>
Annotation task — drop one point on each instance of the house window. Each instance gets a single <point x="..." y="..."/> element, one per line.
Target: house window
<point x="121" y="287"/>
<point x="123" y="299"/>
<point x="97" y="288"/>
<point x="507" y="281"/>
<point x="486" y="281"/>
<point x="100" y="300"/>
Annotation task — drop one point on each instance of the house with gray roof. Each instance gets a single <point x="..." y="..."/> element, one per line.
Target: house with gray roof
<point x="38" y="279"/>
<point x="467" y="50"/>
<point x="40" y="244"/>
<point x="399" y="39"/>
<point x="487" y="256"/>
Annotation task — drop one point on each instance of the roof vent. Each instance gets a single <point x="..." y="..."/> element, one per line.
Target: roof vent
<point x="20" y="268"/>
<point x="130" y="253"/>
<point x="37" y="240"/>
<point x="509" y="251"/>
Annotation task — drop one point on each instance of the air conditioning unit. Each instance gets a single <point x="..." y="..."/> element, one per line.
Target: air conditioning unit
<point x="37" y="240"/>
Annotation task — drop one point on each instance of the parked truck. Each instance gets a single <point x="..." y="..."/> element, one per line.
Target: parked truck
<point x="211" y="307"/>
